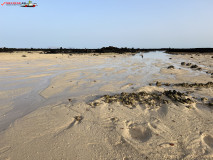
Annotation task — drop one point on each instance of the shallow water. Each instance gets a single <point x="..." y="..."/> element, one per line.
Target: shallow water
<point x="125" y="70"/>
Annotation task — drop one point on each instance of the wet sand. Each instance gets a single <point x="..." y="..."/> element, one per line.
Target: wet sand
<point x="53" y="107"/>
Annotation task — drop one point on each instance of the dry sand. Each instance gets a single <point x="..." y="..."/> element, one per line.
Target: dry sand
<point x="58" y="122"/>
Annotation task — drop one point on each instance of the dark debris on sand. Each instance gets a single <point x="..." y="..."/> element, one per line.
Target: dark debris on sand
<point x="171" y="67"/>
<point x="192" y="66"/>
<point x="186" y="85"/>
<point x="152" y="99"/>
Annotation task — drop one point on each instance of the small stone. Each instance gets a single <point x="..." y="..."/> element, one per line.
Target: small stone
<point x="183" y="63"/>
<point x="158" y="83"/>
<point x="211" y="104"/>
<point x="204" y="99"/>
<point x="171" y="144"/>
<point x="194" y="66"/>
<point x="78" y="118"/>
<point x="171" y="67"/>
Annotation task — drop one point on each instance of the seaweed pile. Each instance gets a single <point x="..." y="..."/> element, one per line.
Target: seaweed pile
<point x="152" y="99"/>
<point x="187" y="85"/>
<point x="178" y="97"/>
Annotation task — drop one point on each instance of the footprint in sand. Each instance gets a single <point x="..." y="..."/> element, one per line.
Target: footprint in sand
<point x="4" y="149"/>
<point x="159" y="128"/>
<point x="75" y="121"/>
<point x="141" y="133"/>
<point x="162" y="111"/>
<point x="208" y="140"/>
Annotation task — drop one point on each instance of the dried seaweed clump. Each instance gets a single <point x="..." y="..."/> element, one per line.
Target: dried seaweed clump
<point x="187" y="85"/>
<point x="136" y="98"/>
<point x="178" y="97"/>
<point x="152" y="99"/>
<point x="205" y="85"/>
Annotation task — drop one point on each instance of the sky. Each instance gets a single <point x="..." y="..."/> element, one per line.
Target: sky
<point x="101" y="23"/>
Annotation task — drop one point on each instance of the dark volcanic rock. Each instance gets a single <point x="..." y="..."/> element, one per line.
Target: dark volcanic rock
<point x="194" y="66"/>
<point x="209" y="72"/>
<point x="188" y="64"/>
<point x="171" y="67"/>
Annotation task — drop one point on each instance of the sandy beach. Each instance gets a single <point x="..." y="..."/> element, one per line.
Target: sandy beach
<point x="106" y="106"/>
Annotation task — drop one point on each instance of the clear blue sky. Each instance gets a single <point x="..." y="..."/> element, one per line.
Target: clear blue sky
<point x="98" y="23"/>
